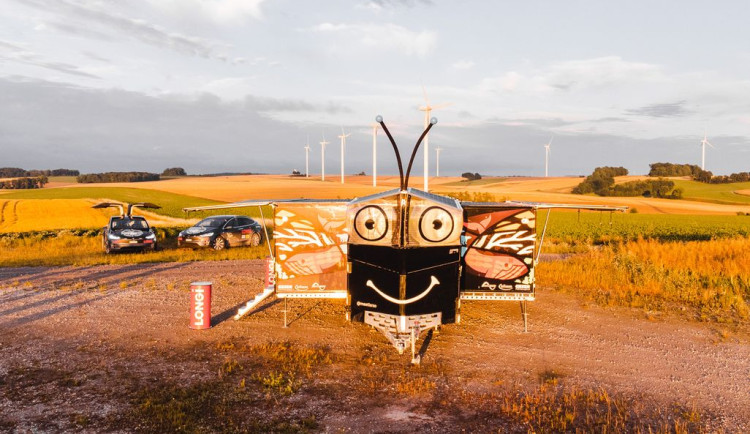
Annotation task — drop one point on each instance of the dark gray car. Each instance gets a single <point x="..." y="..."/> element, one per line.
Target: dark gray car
<point x="222" y="231"/>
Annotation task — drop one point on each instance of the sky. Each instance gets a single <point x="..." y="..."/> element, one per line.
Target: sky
<point x="242" y="86"/>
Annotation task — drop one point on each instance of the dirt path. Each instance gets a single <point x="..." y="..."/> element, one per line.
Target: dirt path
<point x="87" y="338"/>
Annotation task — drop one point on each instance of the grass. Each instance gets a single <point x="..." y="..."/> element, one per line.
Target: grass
<point x="71" y="179"/>
<point x="714" y="193"/>
<point x="706" y="280"/>
<point x="222" y="395"/>
<point x="467" y="183"/>
<point x="288" y="374"/>
<point x="171" y="204"/>
<point x="602" y="227"/>
<point x="68" y="249"/>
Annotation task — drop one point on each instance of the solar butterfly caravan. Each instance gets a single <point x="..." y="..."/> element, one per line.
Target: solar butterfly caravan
<point x="403" y="259"/>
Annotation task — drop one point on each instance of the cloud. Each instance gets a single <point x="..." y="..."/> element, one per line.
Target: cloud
<point x="382" y="4"/>
<point x="73" y="16"/>
<point x="541" y="122"/>
<point x="668" y="110"/>
<point x="80" y="31"/>
<point x="220" y="11"/>
<point x="463" y="64"/>
<point x="262" y="104"/>
<point x="98" y="130"/>
<point x="384" y="36"/>
<point x="609" y="119"/>
<point x="15" y="53"/>
<point x="596" y="73"/>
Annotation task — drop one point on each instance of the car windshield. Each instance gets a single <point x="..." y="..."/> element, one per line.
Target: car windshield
<point x="212" y="222"/>
<point x="126" y="223"/>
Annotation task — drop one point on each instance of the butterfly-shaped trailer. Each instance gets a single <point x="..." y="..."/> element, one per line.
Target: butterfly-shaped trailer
<point x="403" y="259"/>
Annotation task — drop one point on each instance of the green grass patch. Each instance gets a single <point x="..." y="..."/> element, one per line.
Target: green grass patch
<point x="714" y="193"/>
<point x="85" y="249"/>
<point x="467" y="183"/>
<point x="171" y="203"/>
<point x="603" y="227"/>
<point x="62" y="179"/>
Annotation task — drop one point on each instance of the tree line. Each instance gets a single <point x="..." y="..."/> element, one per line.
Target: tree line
<point x="91" y="178"/>
<point x="16" y="172"/>
<point x="698" y="174"/>
<point x="24" y="183"/>
<point x="602" y="183"/>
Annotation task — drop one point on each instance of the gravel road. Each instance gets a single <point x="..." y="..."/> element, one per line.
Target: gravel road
<point x="78" y="340"/>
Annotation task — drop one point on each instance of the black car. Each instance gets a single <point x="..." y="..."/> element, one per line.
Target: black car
<point x="222" y="231"/>
<point x="127" y="232"/>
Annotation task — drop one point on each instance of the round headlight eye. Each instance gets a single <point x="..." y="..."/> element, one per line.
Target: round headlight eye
<point x="371" y="223"/>
<point x="435" y="224"/>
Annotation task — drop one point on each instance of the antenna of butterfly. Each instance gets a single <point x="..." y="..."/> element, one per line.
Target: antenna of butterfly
<point x="379" y="120"/>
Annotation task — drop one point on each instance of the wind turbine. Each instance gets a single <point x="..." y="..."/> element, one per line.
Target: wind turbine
<point x="427" y="109"/>
<point x="704" y="142"/>
<point x="374" y="154"/>
<point x="307" y="158"/>
<point x="546" y="157"/>
<point x="343" y="137"/>
<point x="437" y="161"/>
<point x="323" y="158"/>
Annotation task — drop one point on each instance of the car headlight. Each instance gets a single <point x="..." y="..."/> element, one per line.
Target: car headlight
<point x="151" y="236"/>
<point x="113" y="237"/>
<point x="207" y="234"/>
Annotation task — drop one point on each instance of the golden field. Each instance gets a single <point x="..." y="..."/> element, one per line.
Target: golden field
<point x="25" y="215"/>
<point x="710" y="277"/>
<point x="553" y="190"/>
<point x="22" y="215"/>
<point x="85" y="251"/>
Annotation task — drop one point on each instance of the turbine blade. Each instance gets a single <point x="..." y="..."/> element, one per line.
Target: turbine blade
<point x="426" y="101"/>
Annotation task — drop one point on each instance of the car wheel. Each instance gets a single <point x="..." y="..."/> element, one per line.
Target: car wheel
<point x="254" y="239"/>
<point x="220" y="244"/>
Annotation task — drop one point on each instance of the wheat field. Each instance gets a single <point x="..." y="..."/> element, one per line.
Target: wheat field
<point x="551" y="190"/>
<point x="710" y="277"/>
<point x="27" y="215"/>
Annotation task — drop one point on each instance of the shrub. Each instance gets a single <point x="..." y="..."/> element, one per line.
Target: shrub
<point x="669" y="169"/>
<point x="471" y="176"/>
<point x="600" y="181"/>
<point x="174" y="171"/>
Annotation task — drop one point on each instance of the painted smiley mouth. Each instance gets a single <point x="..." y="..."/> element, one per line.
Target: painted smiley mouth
<point x="433" y="283"/>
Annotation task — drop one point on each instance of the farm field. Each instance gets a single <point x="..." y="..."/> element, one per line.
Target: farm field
<point x="171" y="204"/>
<point x="555" y="190"/>
<point x="24" y="215"/>
<point x="717" y="193"/>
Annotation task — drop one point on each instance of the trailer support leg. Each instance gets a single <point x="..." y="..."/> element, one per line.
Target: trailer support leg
<point x="285" y="311"/>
